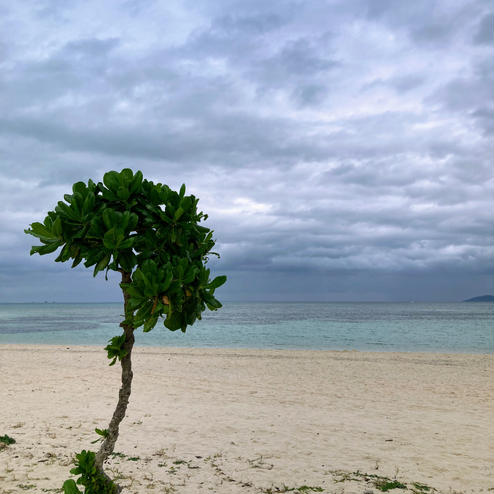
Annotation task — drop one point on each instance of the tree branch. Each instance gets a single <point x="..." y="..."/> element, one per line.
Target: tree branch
<point x="107" y="446"/>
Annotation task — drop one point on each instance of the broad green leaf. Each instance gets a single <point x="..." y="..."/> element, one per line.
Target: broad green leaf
<point x="79" y="187"/>
<point x="97" y="228"/>
<point x="167" y="281"/>
<point x="186" y="203"/>
<point x="67" y="211"/>
<point x="217" y="282"/>
<point x="123" y="193"/>
<point x="190" y="318"/>
<point x="77" y="202"/>
<point x="190" y="275"/>
<point x="57" y="227"/>
<point x="88" y="204"/>
<point x="112" y="180"/>
<point x="126" y="175"/>
<point x="109" y="196"/>
<point x="77" y="261"/>
<point x="211" y="302"/>
<point x="178" y="213"/>
<point x="102" y="264"/>
<point x="108" y="218"/>
<point x="64" y="254"/>
<point x="45" y="249"/>
<point x="142" y="314"/>
<point x="40" y="230"/>
<point x="110" y="239"/>
<point x="127" y="259"/>
<point x="137" y="181"/>
<point x="69" y="486"/>
<point x="150" y="323"/>
<point x="173" y="321"/>
<point x="133" y="220"/>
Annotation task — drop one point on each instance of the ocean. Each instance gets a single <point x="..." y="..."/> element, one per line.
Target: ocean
<point x="417" y="327"/>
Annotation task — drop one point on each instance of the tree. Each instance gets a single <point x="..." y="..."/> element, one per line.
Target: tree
<point x="151" y="235"/>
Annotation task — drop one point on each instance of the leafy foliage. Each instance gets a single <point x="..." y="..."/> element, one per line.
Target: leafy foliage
<point x="151" y="234"/>
<point x="103" y="433"/>
<point x="91" y="478"/>
<point x="70" y="487"/>
<point x="127" y="223"/>
<point x="115" y="349"/>
<point x="5" y="439"/>
<point x="385" y="485"/>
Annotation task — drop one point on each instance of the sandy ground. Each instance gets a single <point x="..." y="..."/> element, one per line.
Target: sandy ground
<point x="250" y="421"/>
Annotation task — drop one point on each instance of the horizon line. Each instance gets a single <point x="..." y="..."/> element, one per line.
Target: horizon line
<point x="260" y="302"/>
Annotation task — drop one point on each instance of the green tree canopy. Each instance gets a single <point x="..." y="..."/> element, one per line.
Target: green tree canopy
<point x="127" y="223"/>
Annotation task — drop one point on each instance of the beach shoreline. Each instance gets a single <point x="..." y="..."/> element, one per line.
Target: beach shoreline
<point x="248" y="420"/>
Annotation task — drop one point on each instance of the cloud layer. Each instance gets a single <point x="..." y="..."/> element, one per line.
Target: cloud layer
<point x="342" y="150"/>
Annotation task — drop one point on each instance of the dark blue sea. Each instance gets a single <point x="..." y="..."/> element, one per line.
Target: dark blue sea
<point x="423" y="327"/>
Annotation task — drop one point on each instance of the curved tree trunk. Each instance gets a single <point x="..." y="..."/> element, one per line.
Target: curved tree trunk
<point x="107" y="446"/>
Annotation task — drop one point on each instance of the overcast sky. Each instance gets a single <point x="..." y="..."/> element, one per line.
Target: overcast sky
<point x="342" y="149"/>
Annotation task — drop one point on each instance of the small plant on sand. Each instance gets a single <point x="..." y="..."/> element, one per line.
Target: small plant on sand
<point x="419" y="488"/>
<point x="381" y="483"/>
<point x="303" y="489"/>
<point x="151" y="235"/>
<point x="385" y="485"/>
<point x="7" y="440"/>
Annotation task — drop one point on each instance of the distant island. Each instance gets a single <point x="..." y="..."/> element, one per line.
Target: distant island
<point x="482" y="298"/>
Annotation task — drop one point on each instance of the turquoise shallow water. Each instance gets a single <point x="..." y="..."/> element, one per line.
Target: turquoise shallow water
<point x="429" y="327"/>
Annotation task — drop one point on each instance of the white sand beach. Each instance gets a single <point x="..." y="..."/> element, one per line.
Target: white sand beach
<point x="251" y="421"/>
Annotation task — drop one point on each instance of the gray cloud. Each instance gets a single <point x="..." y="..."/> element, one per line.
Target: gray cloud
<point x="342" y="150"/>
<point x="485" y="34"/>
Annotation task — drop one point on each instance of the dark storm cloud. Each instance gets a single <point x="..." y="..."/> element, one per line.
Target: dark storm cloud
<point x="347" y="141"/>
